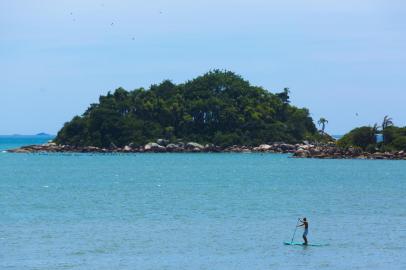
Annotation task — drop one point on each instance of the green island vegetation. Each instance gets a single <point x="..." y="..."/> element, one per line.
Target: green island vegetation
<point x="393" y="137"/>
<point x="219" y="107"/>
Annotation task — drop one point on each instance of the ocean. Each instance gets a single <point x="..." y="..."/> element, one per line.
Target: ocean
<point x="197" y="211"/>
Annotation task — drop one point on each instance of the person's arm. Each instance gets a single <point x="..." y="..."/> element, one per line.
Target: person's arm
<point x="301" y="224"/>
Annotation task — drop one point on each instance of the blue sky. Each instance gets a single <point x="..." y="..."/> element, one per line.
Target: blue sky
<point x="339" y="58"/>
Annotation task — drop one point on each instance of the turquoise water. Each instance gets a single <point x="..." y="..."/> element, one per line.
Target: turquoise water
<point x="199" y="211"/>
<point x="10" y="142"/>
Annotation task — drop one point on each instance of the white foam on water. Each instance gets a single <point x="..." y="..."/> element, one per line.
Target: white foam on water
<point x="45" y="186"/>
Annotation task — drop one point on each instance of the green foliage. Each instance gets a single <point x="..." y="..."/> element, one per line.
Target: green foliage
<point x="361" y="137"/>
<point x="395" y="137"/>
<point x="400" y="143"/>
<point x="364" y="137"/>
<point x="218" y="107"/>
<point x="319" y="137"/>
<point x="391" y="133"/>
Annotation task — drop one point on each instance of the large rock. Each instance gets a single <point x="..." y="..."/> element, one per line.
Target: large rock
<point x="193" y="145"/>
<point x="264" y="147"/>
<point x="174" y="148"/>
<point x="127" y="148"/>
<point x="212" y="148"/>
<point x="302" y="153"/>
<point x="162" y="142"/>
<point x="153" y="147"/>
<point x="49" y="144"/>
<point x="287" y="147"/>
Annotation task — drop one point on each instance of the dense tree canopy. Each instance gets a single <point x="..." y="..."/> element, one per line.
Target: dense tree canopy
<point x="218" y="107"/>
<point x="363" y="137"/>
<point x="394" y="138"/>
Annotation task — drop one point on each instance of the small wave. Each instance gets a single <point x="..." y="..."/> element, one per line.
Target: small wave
<point x="45" y="186"/>
<point x="78" y="253"/>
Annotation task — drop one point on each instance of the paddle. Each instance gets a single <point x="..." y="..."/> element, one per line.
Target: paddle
<point x="293" y="237"/>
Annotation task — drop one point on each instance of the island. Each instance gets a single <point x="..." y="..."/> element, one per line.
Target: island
<point x="216" y="112"/>
<point x="386" y="141"/>
<point x="43" y="134"/>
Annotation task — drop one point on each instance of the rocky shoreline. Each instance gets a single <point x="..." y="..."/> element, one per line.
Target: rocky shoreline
<point x="304" y="150"/>
<point x="157" y="147"/>
<point x="334" y="152"/>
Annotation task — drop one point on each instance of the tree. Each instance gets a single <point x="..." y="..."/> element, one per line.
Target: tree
<point x="219" y="107"/>
<point x="400" y="143"/>
<point x="284" y="95"/>
<point x="322" y="122"/>
<point x="394" y="138"/>
<point x="359" y="137"/>
<point x="387" y="122"/>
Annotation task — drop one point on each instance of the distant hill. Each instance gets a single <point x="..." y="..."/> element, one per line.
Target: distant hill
<point x="219" y="107"/>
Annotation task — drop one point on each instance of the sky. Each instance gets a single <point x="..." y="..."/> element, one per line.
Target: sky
<point x="344" y="60"/>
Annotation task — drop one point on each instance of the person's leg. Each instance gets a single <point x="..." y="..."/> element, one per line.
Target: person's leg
<point x="305" y="237"/>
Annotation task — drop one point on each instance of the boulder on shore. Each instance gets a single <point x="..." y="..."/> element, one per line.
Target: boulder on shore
<point x="153" y="147"/>
<point x="193" y="145"/>
<point x="298" y="150"/>
<point x="162" y="142"/>
<point x="264" y="147"/>
<point x="127" y="148"/>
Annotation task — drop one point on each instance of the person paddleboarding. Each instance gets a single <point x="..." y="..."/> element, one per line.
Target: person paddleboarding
<point x="305" y="224"/>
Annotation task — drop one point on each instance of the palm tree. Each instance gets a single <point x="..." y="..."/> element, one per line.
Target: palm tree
<point x="375" y="128"/>
<point x="387" y="121"/>
<point x="322" y="122"/>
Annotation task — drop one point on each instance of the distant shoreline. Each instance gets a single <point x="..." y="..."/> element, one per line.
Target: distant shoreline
<point x="42" y="135"/>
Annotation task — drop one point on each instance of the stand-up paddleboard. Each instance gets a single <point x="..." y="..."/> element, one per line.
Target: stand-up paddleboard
<point x="301" y="244"/>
